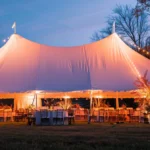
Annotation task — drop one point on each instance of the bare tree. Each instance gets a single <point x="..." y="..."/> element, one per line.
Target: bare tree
<point x="147" y="45"/>
<point x="142" y="5"/>
<point x="128" y="26"/>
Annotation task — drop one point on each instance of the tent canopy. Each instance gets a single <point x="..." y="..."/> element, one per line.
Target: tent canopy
<point x="108" y="64"/>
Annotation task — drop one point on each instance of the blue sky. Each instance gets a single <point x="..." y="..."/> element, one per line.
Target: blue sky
<point x="56" y="22"/>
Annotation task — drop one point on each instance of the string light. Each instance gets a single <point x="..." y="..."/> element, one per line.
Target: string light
<point x="131" y="63"/>
<point x="144" y="51"/>
<point x="137" y="47"/>
<point x="4" y="40"/>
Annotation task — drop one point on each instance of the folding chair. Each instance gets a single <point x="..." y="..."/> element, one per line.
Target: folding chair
<point x="1" y="115"/>
<point x="101" y="116"/>
<point x="8" y="115"/>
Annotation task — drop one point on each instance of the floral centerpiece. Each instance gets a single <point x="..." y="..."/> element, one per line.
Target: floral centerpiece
<point x="99" y="103"/>
<point x="30" y="108"/>
<point x="143" y="93"/>
<point x="77" y="106"/>
<point x="65" y="104"/>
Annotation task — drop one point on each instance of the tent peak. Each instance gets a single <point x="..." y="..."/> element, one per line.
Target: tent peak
<point x="114" y="27"/>
<point x="11" y="40"/>
<point x="15" y="35"/>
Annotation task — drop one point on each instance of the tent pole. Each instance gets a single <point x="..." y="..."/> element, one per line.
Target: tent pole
<point x="90" y="111"/>
<point x="65" y="102"/>
<point x="117" y="100"/>
<point x="36" y="99"/>
<point x="91" y="102"/>
<point x="15" y="103"/>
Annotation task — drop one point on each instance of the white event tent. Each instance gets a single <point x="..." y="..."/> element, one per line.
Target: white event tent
<point x="106" y="65"/>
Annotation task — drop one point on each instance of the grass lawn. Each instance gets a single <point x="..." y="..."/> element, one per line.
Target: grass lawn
<point x="79" y="136"/>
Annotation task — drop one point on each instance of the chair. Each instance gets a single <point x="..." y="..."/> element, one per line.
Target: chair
<point x="85" y="114"/>
<point x="135" y="117"/>
<point x="121" y="115"/>
<point x="8" y="115"/>
<point x="1" y="115"/>
<point x="82" y="114"/>
<point x="71" y="116"/>
<point x="21" y="113"/>
<point x="112" y="116"/>
<point x="77" y="114"/>
<point x="31" y="116"/>
<point x="141" y="117"/>
<point x="101" y="116"/>
<point x="66" y="117"/>
<point x="95" y="116"/>
<point x="106" y="115"/>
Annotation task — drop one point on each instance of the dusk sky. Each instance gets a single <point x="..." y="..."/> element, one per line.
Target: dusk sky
<point x="56" y="22"/>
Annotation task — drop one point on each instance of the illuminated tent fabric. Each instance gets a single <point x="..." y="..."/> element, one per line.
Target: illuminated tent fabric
<point x="108" y="64"/>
